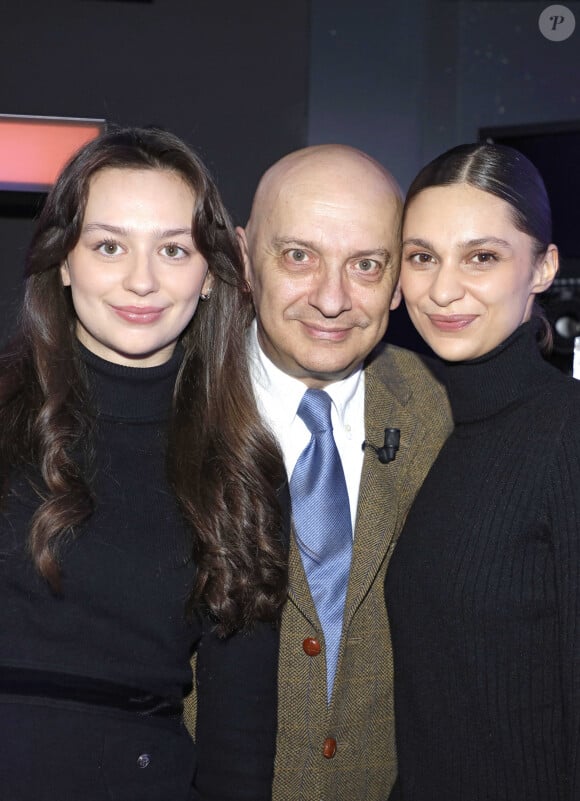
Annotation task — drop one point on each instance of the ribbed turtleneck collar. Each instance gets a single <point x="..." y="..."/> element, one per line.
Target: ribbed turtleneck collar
<point x="139" y="394"/>
<point x="482" y="387"/>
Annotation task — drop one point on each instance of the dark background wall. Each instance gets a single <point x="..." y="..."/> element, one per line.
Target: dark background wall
<point x="407" y="80"/>
<point x="230" y="78"/>
<point x="246" y="82"/>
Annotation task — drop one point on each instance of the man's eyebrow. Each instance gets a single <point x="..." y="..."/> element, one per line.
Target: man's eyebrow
<point x="361" y="254"/>
<point x="121" y="231"/>
<point x="281" y="242"/>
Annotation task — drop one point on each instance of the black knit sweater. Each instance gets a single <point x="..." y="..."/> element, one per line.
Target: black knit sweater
<point x="483" y="591"/>
<point x="127" y="576"/>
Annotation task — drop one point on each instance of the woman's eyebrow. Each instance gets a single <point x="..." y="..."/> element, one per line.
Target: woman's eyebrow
<point x="121" y="231"/>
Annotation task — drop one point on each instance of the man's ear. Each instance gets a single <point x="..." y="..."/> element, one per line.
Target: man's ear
<point x="243" y="243"/>
<point x="545" y="270"/>
<point x="397" y="296"/>
<point x="65" y="273"/>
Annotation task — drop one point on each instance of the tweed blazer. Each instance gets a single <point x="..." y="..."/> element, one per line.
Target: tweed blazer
<point x="345" y="751"/>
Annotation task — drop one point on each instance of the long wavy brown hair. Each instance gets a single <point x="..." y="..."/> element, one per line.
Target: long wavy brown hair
<point x="223" y="464"/>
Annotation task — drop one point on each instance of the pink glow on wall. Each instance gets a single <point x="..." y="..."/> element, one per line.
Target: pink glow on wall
<point x="33" y="150"/>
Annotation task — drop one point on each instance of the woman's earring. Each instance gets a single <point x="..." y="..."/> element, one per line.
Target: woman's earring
<point x="205" y="295"/>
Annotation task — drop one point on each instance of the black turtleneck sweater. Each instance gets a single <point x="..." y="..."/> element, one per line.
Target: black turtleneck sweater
<point x="126" y="575"/>
<point x="483" y="591"/>
<point x="126" y="579"/>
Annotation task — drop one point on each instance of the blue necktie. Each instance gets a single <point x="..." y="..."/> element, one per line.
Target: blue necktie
<point x="321" y="513"/>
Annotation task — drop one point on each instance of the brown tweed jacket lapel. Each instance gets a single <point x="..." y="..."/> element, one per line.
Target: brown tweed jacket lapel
<point x="381" y="489"/>
<point x="299" y="590"/>
<point x="378" y="504"/>
<point x="385" y="490"/>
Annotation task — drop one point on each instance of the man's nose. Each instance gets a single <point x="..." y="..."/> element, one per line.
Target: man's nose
<point x="330" y="290"/>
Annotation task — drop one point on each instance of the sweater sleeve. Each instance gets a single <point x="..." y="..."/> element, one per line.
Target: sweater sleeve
<point x="564" y="511"/>
<point x="236" y="714"/>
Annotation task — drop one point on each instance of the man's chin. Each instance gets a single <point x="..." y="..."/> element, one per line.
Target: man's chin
<point x="319" y="372"/>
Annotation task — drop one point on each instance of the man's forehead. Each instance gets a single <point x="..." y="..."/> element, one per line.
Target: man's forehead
<point x="309" y="199"/>
<point x="306" y="208"/>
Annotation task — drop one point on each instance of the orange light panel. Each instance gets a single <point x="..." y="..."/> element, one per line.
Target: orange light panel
<point x="34" y="150"/>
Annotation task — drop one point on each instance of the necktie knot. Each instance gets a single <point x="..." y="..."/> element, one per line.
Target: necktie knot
<point x="314" y="410"/>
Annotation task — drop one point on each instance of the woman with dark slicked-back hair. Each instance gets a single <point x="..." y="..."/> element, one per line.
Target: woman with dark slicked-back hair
<point x="483" y="590"/>
<point x="139" y="511"/>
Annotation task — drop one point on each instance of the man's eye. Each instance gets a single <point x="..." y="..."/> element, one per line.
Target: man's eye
<point x="367" y="265"/>
<point x="298" y="255"/>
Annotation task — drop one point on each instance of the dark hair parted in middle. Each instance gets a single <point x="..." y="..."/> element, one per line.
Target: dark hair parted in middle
<point x="224" y="465"/>
<point x="502" y="171"/>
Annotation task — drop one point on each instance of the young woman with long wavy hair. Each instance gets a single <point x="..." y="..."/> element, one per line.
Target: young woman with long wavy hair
<point x="139" y="517"/>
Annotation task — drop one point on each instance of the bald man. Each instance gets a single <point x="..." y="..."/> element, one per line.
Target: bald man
<point x="321" y="251"/>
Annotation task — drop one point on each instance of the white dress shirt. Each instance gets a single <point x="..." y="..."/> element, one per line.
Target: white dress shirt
<point x="278" y="396"/>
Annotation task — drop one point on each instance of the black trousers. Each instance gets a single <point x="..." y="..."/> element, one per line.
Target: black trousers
<point x="66" y="751"/>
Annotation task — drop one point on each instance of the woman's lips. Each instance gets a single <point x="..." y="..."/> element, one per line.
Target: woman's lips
<point x="451" y="322"/>
<point x="141" y="315"/>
